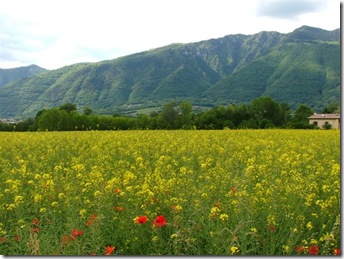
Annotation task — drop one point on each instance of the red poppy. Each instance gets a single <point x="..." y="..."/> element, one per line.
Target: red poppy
<point x="159" y="221"/>
<point x="35" y="221"/>
<point x="66" y="239"/>
<point x="313" y="250"/>
<point x="299" y="249"/>
<point x="336" y="251"/>
<point x="141" y="220"/>
<point x="91" y="219"/>
<point x="17" y="238"/>
<point x="34" y="230"/>
<point x="109" y="250"/>
<point x="272" y="228"/>
<point x="3" y="239"/>
<point x="120" y="208"/>
<point x="117" y="191"/>
<point x="76" y="233"/>
<point x="234" y="190"/>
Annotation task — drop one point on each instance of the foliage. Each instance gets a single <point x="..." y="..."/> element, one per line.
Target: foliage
<point x="263" y="112"/>
<point x="229" y="192"/>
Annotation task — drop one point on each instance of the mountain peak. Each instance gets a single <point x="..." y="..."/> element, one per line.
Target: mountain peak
<point x="308" y="33"/>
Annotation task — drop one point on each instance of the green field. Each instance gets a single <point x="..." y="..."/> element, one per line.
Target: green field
<point x="229" y="192"/>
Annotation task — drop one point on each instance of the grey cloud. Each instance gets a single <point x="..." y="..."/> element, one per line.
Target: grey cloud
<point x="288" y="9"/>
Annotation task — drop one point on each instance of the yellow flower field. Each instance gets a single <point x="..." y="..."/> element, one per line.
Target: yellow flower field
<point x="229" y="192"/>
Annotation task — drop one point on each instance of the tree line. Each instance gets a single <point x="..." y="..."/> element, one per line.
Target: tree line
<point x="261" y="113"/>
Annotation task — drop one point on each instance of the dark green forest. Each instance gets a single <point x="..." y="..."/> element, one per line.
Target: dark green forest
<point x="262" y="113"/>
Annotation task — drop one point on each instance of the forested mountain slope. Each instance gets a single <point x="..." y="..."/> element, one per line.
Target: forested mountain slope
<point x="300" y="67"/>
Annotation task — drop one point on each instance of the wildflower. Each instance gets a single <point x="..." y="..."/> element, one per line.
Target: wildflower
<point x="272" y="228"/>
<point x="91" y="220"/>
<point x="309" y="225"/>
<point x="174" y="236"/>
<point x="253" y="230"/>
<point x="234" y="190"/>
<point x="76" y="233"/>
<point x="234" y="250"/>
<point x="117" y="191"/>
<point x="176" y="208"/>
<point x="34" y="230"/>
<point x="141" y="220"/>
<point x="336" y="251"/>
<point x="109" y="250"/>
<point x="299" y="249"/>
<point x="66" y="239"/>
<point x="17" y="238"/>
<point x="224" y="217"/>
<point x="97" y="193"/>
<point x="313" y="250"/>
<point x="82" y="212"/>
<point x="159" y="221"/>
<point x="35" y="221"/>
<point x="120" y="208"/>
<point x="286" y="248"/>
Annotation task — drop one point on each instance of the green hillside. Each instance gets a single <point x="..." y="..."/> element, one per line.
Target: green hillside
<point x="12" y="74"/>
<point x="299" y="67"/>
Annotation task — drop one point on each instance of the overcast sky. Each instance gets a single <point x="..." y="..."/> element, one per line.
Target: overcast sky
<point x="55" y="33"/>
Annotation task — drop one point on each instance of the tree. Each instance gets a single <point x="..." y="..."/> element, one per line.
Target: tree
<point x="169" y="116"/>
<point x="87" y="111"/>
<point x="185" y="116"/>
<point x="300" y="119"/>
<point x="69" y="107"/>
<point x="332" y="108"/>
<point x="50" y="119"/>
<point x="267" y="112"/>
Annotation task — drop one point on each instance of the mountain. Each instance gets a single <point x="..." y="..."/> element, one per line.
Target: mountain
<point x="299" y="67"/>
<point x="13" y="74"/>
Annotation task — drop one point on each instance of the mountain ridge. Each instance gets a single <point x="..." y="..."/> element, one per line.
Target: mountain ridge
<point x="232" y="69"/>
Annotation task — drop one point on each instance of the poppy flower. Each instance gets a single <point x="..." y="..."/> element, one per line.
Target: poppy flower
<point x="66" y="239"/>
<point x="141" y="220"/>
<point x="120" y="208"/>
<point x="76" y="233"/>
<point x="313" y="250"/>
<point x="34" y="230"/>
<point x="17" y="238"/>
<point x="159" y="221"/>
<point x="35" y="221"/>
<point x="299" y="249"/>
<point x="91" y="220"/>
<point x="272" y="228"/>
<point x="336" y="251"/>
<point x="109" y="250"/>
